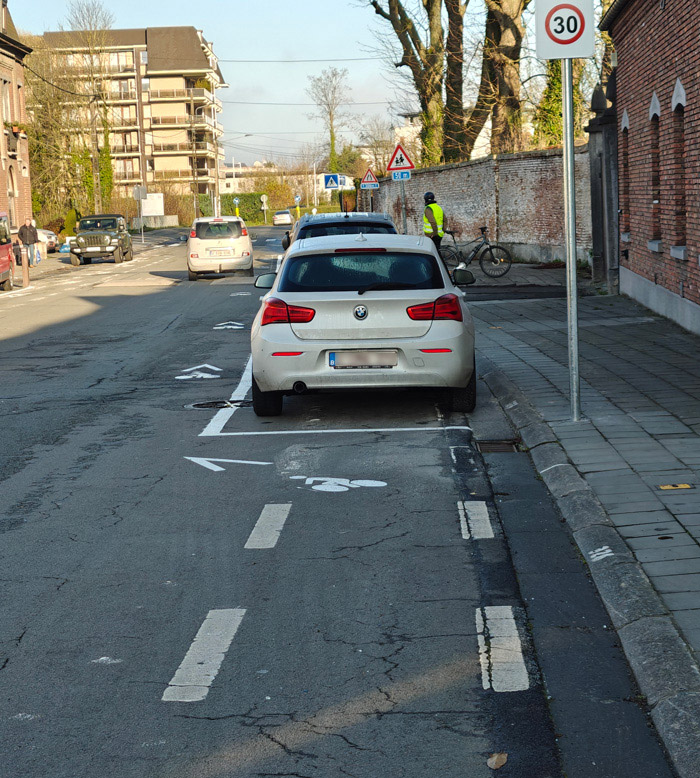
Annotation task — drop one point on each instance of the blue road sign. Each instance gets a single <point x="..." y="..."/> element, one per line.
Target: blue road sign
<point x="331" y="181"/>
<point x="297" y="198"/>
<point x="369" y="185"/>
<point x="342" y="180"/>
<point x="401" y="175"/>
<point x="236" y="200"/>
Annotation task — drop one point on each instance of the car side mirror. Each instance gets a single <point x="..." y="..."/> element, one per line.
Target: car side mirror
<point x="463" y="277"/>
<point x="285" y="240"/>
<point x="265" y="280"/>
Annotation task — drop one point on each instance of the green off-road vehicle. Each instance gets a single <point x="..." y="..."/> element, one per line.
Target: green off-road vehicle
<point x="104" y="236"/>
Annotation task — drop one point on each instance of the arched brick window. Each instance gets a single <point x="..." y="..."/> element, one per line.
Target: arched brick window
<point x="655" y="170"/>
<point x="677" y="165"/>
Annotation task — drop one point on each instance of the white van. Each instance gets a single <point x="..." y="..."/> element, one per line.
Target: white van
<point x="219" y="245"/>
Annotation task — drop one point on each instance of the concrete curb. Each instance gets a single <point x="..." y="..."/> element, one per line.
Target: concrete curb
<point x="662" y="664"/>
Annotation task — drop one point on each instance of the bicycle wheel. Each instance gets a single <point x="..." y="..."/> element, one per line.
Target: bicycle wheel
<point x="495" y="261"/>
<point x="451" y="256"/>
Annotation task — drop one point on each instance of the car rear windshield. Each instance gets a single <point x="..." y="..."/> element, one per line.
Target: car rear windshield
<point x="98" y="224"/>
<point x="218" y="230"/>
<point x="355" y="272"/>
<point x="347" y="228"/>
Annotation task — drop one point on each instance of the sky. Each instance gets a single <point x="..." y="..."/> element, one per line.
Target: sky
<point x="264" y="30"/>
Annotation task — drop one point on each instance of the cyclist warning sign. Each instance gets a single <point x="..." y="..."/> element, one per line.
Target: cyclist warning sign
<point x="400" y="160"/>
<point x="565" y="30"/>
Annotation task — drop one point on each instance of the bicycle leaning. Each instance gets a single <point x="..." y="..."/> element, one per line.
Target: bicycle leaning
<point x="495" y="261"/>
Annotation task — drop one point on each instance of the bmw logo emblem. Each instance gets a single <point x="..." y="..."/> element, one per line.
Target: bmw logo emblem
<point x="360" y="312"/>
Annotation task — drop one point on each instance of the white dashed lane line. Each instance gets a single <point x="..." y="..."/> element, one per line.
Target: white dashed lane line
<point x="202" y="662"/>
<point x="269" y="526"/>
<point x="500" y="650"/>
<point x="474" y="520"/>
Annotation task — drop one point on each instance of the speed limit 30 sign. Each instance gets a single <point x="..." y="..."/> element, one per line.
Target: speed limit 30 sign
<point x="565" y="30"/>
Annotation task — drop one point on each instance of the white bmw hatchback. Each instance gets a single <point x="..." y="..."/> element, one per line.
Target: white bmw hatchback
<point x="362" y="312"/>
<point x="219" y="245"/>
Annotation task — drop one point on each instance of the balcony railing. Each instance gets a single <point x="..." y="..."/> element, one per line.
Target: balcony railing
<point x="183" y="175"/>
<point x="199" y="146"/>
<point x="184" y="120"/>
<point x="124" y="148"/>
<point x="181" y="94"/>
<point x="123" y="96"/>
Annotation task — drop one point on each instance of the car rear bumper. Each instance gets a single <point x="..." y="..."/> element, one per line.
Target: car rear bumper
<point x="219" y="264"/>
<point x="415" y="368"/>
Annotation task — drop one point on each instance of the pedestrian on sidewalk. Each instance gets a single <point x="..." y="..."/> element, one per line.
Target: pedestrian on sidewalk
<point x="29" y="238"/>
<point x="17" y="251"/>
<point x="433" y="220"/>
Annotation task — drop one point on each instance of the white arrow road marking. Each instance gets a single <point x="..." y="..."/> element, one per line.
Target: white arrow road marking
<point x="202" y="662"/>
<point x="209" y="463"/>
<point x="228" y="325"/>
<point x="198" y="367"/>
<point x="268" y="528"/>
<point x="222" y="417"/>
<point x="500" y="651"/>
<point x="474" y="520"/>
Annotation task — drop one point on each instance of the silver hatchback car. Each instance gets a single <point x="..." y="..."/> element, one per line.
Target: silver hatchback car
<point x="219" y="245"/>
<point x="362" y="312"/>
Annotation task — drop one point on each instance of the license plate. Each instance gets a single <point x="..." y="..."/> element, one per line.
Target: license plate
<point x="220" y="253"/>
<point x="94" y="248"/>
<point x="359" y="359"/>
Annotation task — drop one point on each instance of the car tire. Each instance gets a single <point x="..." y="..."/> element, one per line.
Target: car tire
<point x="250" y="272"/>
<point x="9" y="284"/>
<point x="118" y="256"/>
<point x="463" y="399"/>
<point x="74" y="260"/>
<point x="266" y="403"/>
<point x="130" y="254"/>
<point x="87" y="260"/>
<point x="192" y="276"/>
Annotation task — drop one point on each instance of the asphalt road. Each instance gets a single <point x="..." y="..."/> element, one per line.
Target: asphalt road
<point x="351" y="589"/>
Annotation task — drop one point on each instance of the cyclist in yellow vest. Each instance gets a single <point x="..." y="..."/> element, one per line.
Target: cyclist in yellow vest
<point x="433" y="219"/>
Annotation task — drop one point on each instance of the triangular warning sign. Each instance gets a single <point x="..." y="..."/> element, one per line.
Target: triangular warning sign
<point x="370" y="178"/>
<point x="400" y="160"/>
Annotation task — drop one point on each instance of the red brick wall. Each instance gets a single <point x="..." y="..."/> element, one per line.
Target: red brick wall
<point x="655" y="47"/>
<point x="519" y="197"/>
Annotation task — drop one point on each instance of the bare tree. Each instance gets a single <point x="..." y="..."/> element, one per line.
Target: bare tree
<point x="377" y="138"/>
<point x="330" y="91"/>
<point x="425" y="60"/>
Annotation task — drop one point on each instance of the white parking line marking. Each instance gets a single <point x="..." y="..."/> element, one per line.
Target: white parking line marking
<point x="500" y="651"/>
<point x="268" y="527"/>
<point x="202" y="662"/>
<point x="222" y="417"/>
<point x="209" y="433"/>
<point x="474" y="520"/>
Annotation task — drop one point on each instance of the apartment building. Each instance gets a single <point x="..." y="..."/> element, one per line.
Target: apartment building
<point x="15" y="190"/>
<point x="158" y="88"/>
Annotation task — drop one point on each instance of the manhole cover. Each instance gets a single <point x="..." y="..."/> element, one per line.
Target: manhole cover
<point x="217" y="404"/>
<point x="496" y="446"/>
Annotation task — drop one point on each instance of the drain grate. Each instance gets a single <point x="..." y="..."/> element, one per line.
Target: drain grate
<point x="220" y="404"/>
<point x="497" y="446"/>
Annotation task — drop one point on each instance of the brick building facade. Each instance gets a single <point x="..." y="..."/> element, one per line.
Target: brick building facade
<point x="658" y="115"/>
<point x="519" y="196"/>
<point x="15" y="190"/>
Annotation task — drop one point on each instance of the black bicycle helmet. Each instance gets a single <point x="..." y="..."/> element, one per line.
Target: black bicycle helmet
<point x="429" y="197"/>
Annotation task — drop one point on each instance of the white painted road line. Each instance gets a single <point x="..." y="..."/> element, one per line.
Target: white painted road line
<point x="201" y="664"/>
<point x="222" y="417"/>
<point x="474" y="520"/>
<point x="268" y="528"/>
<point x="500" y="650"/>
<point x="209" y="463"/>
<point x="208" y="431"/>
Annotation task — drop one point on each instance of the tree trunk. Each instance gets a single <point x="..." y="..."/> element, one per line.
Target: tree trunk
<point x="455" y="137"/>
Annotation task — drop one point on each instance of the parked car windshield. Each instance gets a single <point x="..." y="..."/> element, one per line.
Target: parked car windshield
<point x="98" y="224"/>
<point x="218" y="230"/>
<point x="346" y="228"/>
<point x="353" y="272"/>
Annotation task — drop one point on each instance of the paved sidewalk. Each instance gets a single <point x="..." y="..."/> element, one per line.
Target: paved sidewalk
<point x="640" y="387"/>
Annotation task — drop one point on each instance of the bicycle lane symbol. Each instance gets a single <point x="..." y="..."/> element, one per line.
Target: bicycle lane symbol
<point x="323" y="484"/>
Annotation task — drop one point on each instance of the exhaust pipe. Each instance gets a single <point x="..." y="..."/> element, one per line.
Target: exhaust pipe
<point x="299" y="387"/>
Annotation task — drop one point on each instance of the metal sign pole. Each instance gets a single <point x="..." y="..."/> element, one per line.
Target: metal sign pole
<point x="570" y="235"/>
<point x="403" y="206"/>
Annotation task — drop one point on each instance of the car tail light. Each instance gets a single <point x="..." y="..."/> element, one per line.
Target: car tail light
<point x="193" y="233"/>
<point x="287" y="353"/>
<point x="445" y="307"/>
<point x="360" y="251"/>
<point x="244" y="232"/>
<point x="194" y="256"/>
<point x="436" y="350"/>
<point x="276" y="311"/>
<point x="245" y="254"/>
